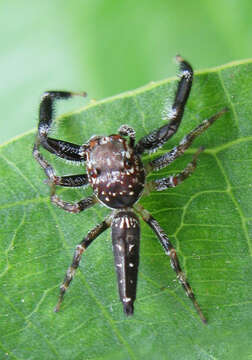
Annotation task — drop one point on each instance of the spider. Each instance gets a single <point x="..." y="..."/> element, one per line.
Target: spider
<point x="118" y="179"/>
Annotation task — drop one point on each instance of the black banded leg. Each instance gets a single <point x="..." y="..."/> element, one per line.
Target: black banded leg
<point x="72" y="207"/>
<point x="48" y="169"/>
<point x="71" y="180"/>
<point x="186" y="142"/>
<point x="92" y="235"/>
<point x="60" y="148"/>
<point x="174" y="180"/>
<point x="170" y="251"/>
<point x="158" y="137"/>
<point x="68" y="181"/>
<point x="126" y="130"/>
<point x="47" y="108"/>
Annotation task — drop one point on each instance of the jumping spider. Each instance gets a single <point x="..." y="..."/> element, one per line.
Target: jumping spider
<point x="118" y="178"/>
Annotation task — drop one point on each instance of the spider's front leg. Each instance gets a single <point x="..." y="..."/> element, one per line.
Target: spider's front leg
<point x="171" y="252"/>
<point x="158" y="137"/>
<point x="60" y="148"/>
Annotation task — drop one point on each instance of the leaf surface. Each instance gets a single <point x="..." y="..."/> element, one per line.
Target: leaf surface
<point x="208" y="218"/>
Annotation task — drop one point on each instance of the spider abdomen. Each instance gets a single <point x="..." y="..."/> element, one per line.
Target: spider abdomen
<point x="115" y="172"/>
<point x="125" y="238"/>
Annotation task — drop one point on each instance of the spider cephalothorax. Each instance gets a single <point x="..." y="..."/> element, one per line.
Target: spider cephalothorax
<point x="118" y="178"/>
<point x="115" y="172"/>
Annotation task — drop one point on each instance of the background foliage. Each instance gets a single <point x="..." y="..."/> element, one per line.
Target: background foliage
<point x="208" y="218"/>
<point x="107" y="46"/>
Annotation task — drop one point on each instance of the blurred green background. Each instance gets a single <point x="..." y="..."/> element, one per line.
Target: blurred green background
<point x="108" y="46"/>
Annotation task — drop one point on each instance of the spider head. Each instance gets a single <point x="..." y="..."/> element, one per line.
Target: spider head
<point x="115" y="172"/>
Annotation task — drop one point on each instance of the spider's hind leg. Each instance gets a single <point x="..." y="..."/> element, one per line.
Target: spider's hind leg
<point x="91" y="236"/>
<point x="171" y="252"/>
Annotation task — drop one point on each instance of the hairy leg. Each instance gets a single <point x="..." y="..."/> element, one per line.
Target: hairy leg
<point x="158" y="137"/>
<point x="187" y="141"/>
<point x="92" y="235"/>
<point x="171" y="252"/>
<point x="63" y="149"/>
<point x="126" y="130"/>
<point x="174" y="180"/>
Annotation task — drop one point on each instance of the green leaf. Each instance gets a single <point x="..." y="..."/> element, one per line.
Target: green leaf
<point x="208" y="218"/>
